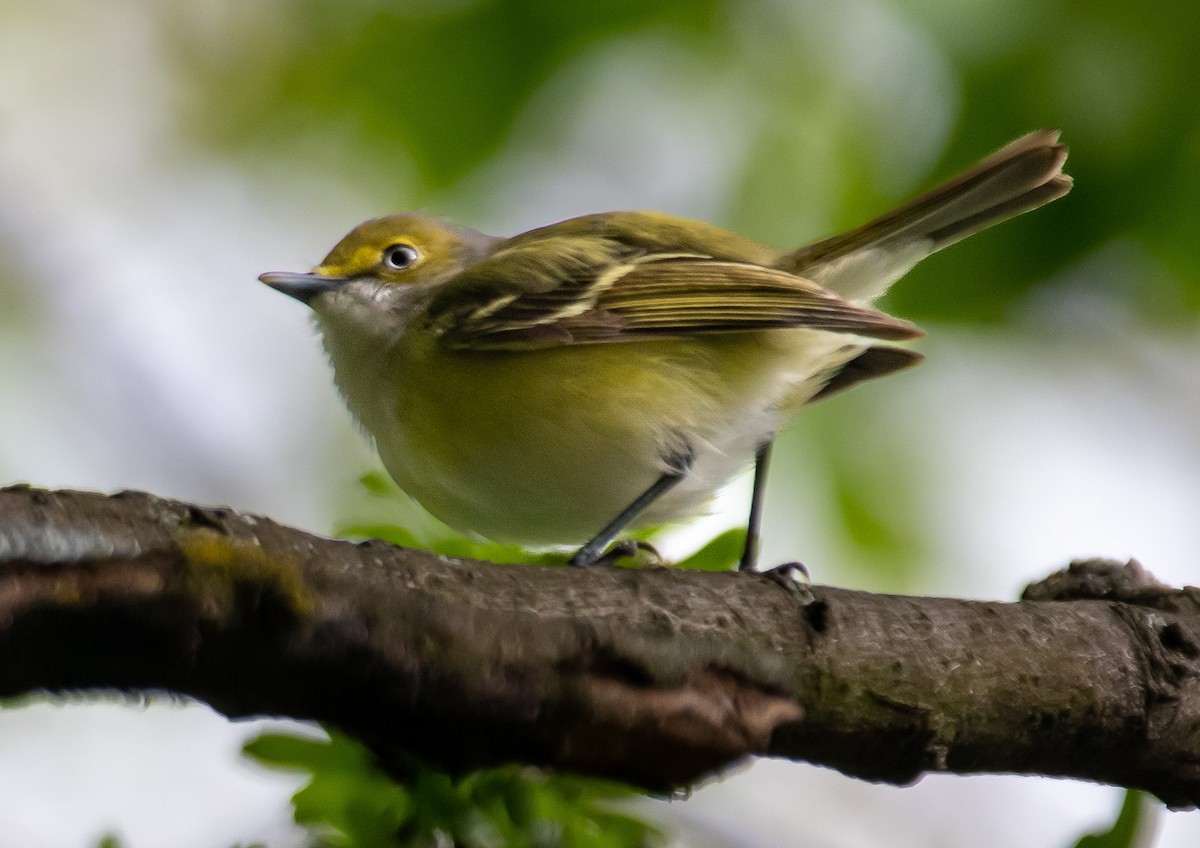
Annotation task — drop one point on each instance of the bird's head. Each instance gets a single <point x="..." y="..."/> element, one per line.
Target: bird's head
<point x="382" y="254"/>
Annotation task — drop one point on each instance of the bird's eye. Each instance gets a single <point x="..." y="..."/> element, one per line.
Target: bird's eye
<point x="400" y="256"/>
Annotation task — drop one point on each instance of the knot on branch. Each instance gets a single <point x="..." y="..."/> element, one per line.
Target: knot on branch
<point x="1109" y="580"/>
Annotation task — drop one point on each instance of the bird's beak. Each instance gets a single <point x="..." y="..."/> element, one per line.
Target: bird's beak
<point x="303" y="287"/>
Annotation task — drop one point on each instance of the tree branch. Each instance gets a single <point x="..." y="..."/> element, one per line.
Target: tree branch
<point x="657" y="677"/>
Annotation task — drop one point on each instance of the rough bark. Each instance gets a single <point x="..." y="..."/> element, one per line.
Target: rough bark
<point x="657" y="677"/>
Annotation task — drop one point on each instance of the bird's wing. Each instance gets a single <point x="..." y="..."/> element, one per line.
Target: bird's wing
<point x="568" y="290"/>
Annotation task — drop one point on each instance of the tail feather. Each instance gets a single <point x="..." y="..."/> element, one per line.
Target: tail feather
<point x="862" y="263"/>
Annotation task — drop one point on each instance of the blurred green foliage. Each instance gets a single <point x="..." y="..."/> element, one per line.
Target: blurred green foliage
<point x="441" y="82"/>
<point x="875" y="490"/>
<point x="422" y="94"/>
<point x="1114" y="80"/>
<point x="350" y="803"/>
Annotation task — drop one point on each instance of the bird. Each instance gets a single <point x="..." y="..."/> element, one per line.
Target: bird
<point x="559" y="387"/>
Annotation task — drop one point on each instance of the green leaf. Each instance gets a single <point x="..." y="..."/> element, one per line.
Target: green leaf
<point x="379" y="484"/>
<point x="430" y="534"/>
<point x="351" y="802"/>
<point x="392" y="533"/>
<point x="1133" y="827"/>
<point x="286" y="750"/>
<point x="465" y="548"/>
<point x="721" y="553"/>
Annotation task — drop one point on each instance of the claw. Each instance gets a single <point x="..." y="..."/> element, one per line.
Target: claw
<point x="794" y="578"/>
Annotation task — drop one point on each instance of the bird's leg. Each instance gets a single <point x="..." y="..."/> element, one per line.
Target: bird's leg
<point x="762" y="458"/>
<point x="792" y="576"/>
<point x="593" y="551"/>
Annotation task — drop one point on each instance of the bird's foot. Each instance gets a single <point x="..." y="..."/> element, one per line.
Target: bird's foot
<point x="624" y="549"/>
<point x="794" y="578"/>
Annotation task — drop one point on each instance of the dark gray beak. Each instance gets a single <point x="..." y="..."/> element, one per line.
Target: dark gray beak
<point x="303" y="287"/>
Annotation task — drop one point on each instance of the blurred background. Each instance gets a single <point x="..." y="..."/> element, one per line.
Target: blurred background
<point x="155" y="157"/>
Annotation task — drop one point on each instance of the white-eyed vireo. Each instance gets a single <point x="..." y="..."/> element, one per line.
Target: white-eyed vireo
<point x="559" y="386"/>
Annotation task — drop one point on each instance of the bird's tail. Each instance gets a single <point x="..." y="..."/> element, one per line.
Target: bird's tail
<point x="862" y="263"/>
